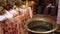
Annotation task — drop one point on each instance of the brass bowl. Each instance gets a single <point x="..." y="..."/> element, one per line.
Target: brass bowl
<point x="32" y="25"/>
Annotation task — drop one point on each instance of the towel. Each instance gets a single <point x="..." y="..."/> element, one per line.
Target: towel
<point x="2" y="18"/>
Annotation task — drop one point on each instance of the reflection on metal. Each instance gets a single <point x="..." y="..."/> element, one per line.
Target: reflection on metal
<point x="41" y="25"/>
<point x="58" y="30"/>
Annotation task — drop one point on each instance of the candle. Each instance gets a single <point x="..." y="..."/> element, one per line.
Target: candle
<point x="26" y="3"/>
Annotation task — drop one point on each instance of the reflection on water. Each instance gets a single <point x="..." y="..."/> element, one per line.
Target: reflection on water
<point x="40" y="26"/>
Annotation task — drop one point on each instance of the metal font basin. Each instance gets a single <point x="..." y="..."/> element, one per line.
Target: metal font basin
<point x="41" y="25"/>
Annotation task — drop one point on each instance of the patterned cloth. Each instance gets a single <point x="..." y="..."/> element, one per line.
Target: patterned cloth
<point x="16" y="25"/>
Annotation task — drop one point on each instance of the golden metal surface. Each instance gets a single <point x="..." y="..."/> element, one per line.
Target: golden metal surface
<point x="51" y="21"/>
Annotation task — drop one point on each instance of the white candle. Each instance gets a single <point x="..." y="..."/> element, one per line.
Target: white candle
<point x="30" y="12"/>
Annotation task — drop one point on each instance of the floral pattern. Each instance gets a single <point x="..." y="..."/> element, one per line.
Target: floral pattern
<point x="15" y="25"/>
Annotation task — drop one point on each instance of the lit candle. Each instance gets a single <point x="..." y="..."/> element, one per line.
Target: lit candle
<point x="26" y="3"/>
